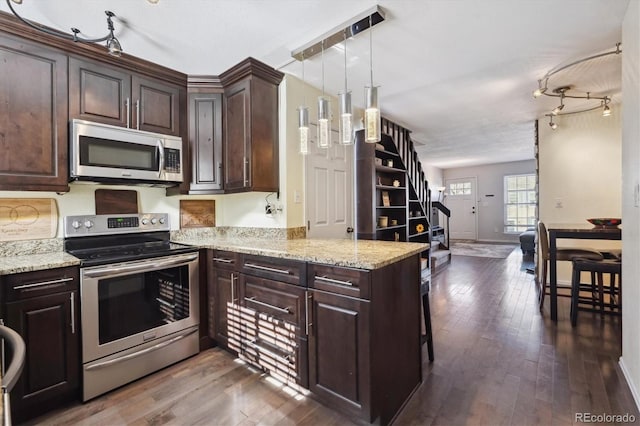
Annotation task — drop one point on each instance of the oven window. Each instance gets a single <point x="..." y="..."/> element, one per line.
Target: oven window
<point x="136" y="303"/>
<point x="115" y="154"/>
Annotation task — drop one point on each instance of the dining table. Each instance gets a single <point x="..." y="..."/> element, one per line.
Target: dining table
<point x="581" y="231"/>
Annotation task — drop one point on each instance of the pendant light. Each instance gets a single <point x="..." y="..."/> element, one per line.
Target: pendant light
<point x="345" y="128"/>
<point x="372" y="111"/>
<point x="303" y="122"/>
<point x="323" y="113"/>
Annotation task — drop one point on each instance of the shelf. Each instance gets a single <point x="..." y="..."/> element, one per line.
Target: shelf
<point x="393" y="154"/>
<point x="390" y="227"/>
<point x="382" y="168"/>
<point x="417" y="217"/>
<point x="391" y="207"/>
<point x="390" y="187"/>
<point x="417" y="235"/>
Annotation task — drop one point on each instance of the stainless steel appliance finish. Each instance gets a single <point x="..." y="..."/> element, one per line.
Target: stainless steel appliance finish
<point x="138" y="296"/>
<point x="104" y="153"/>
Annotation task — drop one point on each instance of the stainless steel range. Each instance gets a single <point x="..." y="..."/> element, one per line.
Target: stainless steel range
<point x="138" y="297"/>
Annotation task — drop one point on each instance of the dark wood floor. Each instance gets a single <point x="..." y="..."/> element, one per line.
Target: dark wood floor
<point x="498" y="361"/>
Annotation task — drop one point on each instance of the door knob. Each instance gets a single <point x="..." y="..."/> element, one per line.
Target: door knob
<point x="349" y="230"/>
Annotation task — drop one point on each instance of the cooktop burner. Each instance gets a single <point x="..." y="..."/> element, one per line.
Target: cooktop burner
<point x="104" y="239"/>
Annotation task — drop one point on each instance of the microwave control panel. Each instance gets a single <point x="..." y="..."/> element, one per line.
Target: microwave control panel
<point x="172" y="160"/>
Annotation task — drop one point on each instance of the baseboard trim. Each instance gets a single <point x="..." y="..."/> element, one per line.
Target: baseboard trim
<point x="630" y="384"/>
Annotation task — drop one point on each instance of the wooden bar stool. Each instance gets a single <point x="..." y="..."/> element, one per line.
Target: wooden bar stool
<point x="606" y="298"/>
<point x="564" y="254"/>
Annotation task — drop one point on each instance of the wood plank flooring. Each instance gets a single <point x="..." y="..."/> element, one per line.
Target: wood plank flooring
<point x="498" y="360"/>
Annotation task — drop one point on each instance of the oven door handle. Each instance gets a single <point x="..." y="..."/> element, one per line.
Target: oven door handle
<point x="141" y="352"/>
<point x="144" y="266"/>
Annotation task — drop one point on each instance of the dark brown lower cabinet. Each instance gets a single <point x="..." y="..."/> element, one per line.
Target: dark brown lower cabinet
<point x="339" y="364"/>
<point x="222" y="297"/>
<point x="43" y="307"/>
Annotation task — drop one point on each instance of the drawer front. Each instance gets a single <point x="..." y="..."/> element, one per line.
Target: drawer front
<point x="285" y="270"/>
<point x="334" y="279"/>
<point x="225" y="259"/>
<point x="286" y="359"/>
<point x="40" y="283"/>
<point x="274" y="300"/>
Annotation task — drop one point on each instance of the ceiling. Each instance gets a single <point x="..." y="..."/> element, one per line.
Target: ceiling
<point x="458" y="73"/>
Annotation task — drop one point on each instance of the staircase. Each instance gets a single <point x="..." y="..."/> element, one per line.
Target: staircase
<point x="419" y="194"/>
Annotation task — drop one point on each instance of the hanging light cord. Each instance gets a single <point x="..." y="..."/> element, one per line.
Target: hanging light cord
<point x="371" y="50"/>
<point x="322" y="67"/>
<point x="345" y="61"/>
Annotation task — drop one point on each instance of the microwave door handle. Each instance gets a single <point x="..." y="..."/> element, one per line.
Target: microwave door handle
<point x="161" y="154"/>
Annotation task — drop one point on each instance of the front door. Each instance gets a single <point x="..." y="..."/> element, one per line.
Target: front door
<point x="329" y="189"/>
<point x="461" y="200"/>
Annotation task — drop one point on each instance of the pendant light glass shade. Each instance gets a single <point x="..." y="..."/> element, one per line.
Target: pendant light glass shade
<point x="303" y="129"/>
<point x="345" y="129"/>
<point x="372" y="116"/>
<point x="323" y="122"/>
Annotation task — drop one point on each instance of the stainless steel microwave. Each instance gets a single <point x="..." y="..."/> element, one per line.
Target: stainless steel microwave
<point x="110" y="154"/>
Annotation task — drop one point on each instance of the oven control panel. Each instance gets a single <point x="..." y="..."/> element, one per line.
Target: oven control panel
<point x="107" y="224"/>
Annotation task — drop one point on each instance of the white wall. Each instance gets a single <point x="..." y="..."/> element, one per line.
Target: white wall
<point x="490" y="180"/>
<point x="580" y="174"/>
<point x="630" y="360"/>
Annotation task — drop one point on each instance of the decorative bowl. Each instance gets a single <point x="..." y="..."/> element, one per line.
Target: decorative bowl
<point x="605" y="222"/>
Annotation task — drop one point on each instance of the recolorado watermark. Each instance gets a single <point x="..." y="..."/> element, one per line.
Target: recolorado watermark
<point x="604" y="418"/>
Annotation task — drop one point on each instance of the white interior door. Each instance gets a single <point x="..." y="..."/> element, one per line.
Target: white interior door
<point x="461" y="200"/>
<point x="329" y="189"/>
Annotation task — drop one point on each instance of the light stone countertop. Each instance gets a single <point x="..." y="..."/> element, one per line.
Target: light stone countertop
<point x="363" y="254"/>
<point x="36" y="262"/>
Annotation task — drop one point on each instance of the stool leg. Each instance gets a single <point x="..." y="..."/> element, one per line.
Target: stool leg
<point x="575" y="290"/>
<point x="427" y="322"/>
<point x="542" y="284"/>
<point x="601" y="293"/>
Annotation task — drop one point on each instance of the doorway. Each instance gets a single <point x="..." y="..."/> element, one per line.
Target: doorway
<point x="329" y="189"/>
<point x="462" y="201"/>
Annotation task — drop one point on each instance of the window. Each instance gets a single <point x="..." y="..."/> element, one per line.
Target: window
<point x="520" y="203"/>
<point x="460" y="188"/>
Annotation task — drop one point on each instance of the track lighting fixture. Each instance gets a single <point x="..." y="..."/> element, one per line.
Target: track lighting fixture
<point x="540" y="90"/>
<point x="551" y="123"/>
<point x="606" y="111"/>
<point x="561" y="91"/>
<point x="112" y="43"/>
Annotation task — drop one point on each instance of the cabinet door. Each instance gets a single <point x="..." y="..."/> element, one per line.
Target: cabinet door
<point x="99" y="93"/>
<point x="223" y="298"/>
<point x="156" y="106"/>
<point x="205" y="139"/>
<point x="339" y="358"/>
<point x="49" y="327"/>
<point x="237" y="139"/>
<point x="33" y="117"/>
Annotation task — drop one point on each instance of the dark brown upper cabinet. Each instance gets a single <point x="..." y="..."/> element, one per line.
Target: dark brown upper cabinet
<point x="33" y="116"/>
<point x="119" y="97"/>
<point x="250" y="143"/>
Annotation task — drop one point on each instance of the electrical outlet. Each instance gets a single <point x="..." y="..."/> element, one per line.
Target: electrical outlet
<point x="559" y="203"/>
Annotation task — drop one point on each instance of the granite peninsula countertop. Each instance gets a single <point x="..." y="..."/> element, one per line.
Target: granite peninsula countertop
<point x="363" y="254"/>
<point x="36" y="262"/>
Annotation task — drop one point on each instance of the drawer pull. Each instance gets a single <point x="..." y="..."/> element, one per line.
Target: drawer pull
<point x="285" y="358"/>
<point x="42" y="284"/>
<point x="332" y="281"/>
<point x="268" y="305"/>
<point x="222" y="260"/>
<point x="266" y="268"/>
<point x="165" y="303"/>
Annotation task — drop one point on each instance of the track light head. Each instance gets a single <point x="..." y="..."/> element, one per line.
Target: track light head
<point x="551" y="123"/>
<point x="540" y="90"/>
<point x="606" y="111"/>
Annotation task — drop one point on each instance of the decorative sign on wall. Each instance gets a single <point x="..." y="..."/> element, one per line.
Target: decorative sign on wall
<point x="197" y="213"/>
<point x="28" y="218"/>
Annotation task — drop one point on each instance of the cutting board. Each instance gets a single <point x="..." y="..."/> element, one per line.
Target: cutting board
<point x="116" y="201"/>
<point x="28" y="218"/>
<point x="197" y="213"/>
